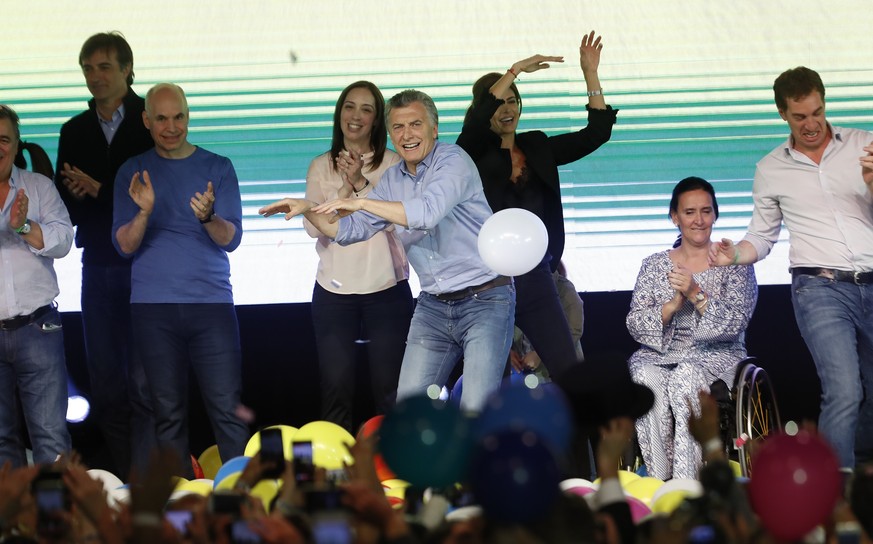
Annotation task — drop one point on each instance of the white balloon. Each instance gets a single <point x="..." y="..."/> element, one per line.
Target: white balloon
<point x="513" y="241"/>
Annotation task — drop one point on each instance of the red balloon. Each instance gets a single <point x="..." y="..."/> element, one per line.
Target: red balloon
<point x="369" y="428"/>
<point x="795" y="484"/>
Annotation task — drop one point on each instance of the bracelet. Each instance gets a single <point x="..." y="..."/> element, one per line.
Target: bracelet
<point x="712" y="445"/>
<point x="208" y="219"/>
<point x="513" y="72"/>
<point x="736" y="258"/>
<point x="146" y="519"/>
<point x="242" y="486"/>
<point x="366" y="184"/>
<point x="700" y="306"/>
<point x="598" y="92"/>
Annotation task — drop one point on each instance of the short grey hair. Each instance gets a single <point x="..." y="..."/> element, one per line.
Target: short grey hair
<point x="408" y="97"/>
<point x="161" y="87"/>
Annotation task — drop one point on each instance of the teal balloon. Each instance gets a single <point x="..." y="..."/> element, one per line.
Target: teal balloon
<point x="426" y="442"/>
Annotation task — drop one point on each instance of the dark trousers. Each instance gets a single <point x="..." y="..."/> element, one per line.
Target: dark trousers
<point x="540" y="316"/>
<point x="381" y="321"/>
<point x="173" y="338"/>
<point x="119" y="391"/>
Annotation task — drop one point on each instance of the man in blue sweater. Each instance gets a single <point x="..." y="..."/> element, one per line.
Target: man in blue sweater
<point x="177" y="213"/>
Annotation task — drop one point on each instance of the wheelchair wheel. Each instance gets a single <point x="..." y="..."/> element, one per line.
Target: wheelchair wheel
<point x="757" y="413"/>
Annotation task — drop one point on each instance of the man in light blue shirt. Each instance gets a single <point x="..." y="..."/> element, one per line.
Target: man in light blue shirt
<point x="434" y="199"/>
<point x="35" y="230"/>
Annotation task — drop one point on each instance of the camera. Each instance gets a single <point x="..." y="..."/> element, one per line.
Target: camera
<point x="241" y="533"/>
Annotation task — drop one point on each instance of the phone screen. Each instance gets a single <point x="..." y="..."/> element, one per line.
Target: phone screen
<point x="304" y="468"/>
<point x="179" y="519"/>
<point x="273" y="451"/>
<point x="241" y="533"/>
<point x="331" y="530"/>
<point x="50" y="495"/>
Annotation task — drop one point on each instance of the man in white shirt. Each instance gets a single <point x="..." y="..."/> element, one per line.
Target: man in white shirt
<point x="35" y="230"/>
<point x="819" y="184"/>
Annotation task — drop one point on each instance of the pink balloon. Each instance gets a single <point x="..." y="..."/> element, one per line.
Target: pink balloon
<point x="638" y="508"/>
<point x="795" y="484"/>
<point x="581" y="490"/>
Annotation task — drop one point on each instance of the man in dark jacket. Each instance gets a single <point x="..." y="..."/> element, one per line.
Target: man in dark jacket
<point x="92" y="146"/>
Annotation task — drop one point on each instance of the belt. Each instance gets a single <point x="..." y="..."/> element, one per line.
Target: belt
<point x="858" y="278"/>
<point x="21" y="320"/>
<point x="499" y="281"/>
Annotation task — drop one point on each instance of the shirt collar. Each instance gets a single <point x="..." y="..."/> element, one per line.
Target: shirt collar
<point x="117" y="116"/>
<point x="836" y="135"/>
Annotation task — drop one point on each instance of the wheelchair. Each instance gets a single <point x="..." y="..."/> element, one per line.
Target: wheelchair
<point x="748" y="411"/>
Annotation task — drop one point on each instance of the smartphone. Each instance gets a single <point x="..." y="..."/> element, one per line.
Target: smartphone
<point x="273" y="451"/>
<point x="324" y="500"/>
<point x="241" y="533"/>
<point x="331" y="529"/>
<point x="179" y="519"/>
<point x="225" y="503"/>
<point x="52" y="501"/>
<point x="848" y="532"/>
<point x="304" y="468"/>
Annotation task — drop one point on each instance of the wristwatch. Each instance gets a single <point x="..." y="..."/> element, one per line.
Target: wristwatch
<point x="25" y="228"/>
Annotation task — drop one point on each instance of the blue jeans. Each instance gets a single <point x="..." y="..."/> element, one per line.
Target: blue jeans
<point x="478" y="328"/>
<point x="171" y="338"/>
<point x="836" y="321"/>
<point x="32" y="358"/>
<point x="382" y="318"/>
<point x="119" y="391"/>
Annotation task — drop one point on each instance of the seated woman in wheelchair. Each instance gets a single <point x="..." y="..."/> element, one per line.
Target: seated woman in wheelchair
<point x="690" y="321"/>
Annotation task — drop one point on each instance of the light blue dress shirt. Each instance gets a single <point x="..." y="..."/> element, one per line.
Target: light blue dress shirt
<point x="27" y="275"/>
<point x="445" y="208"/>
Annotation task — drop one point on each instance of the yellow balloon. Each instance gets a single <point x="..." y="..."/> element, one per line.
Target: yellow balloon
<point x="200" y="487"/>
<point x="624" y="477"/>
<point x="266" y="490"/>
<point x="395" y="483"/>
<point x="254" y="444"/>
<point x="329" y="443"/>
<point x="737" y="468"/>
<point x="644" y="488"/>
<point x="210" y="461"/>
<point x="669" y="501"/>
<point x="229" y="481"/>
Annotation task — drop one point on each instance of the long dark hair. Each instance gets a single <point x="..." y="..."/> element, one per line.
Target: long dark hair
<point x="378" y="135"/>
<point x="38" y="158"/>
<point x="482" y="88"/>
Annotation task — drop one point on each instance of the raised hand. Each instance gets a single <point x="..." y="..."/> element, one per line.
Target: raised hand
<point x="681" y="280"/>
<point x="589" y="52"/>
<point x="349" y="164"/>
<point x="78" y="183"/>
<point x="204" y="203"/>
<point x="722" y="253"/>
<point x="142" y="192"/>
<point x="291" y="207"/>
<point x="534" y="63"/>
<point x="18" y="215"/>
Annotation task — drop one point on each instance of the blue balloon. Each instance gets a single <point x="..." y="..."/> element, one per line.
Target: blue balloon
<point x="426" y="442"/>
<point x="515" y="477"/>
<point x="543" y="410"/>
<point x="232" y="465"/>
<point x="457" y="389"/>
